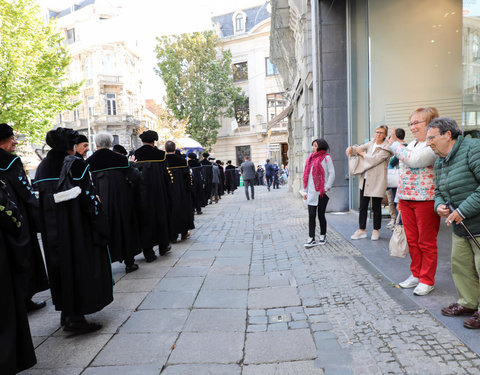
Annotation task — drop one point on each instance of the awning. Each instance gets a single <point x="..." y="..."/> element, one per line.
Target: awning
<point x="285" y="113"/>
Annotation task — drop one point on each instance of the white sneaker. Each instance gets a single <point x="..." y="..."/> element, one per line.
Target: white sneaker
<point x="375" y="235"/>
<point x="322" y="239"/>
<point x="422" y="289"/>
<point x="358" y="235"/>
<point x="310" y="242"/>
<point x="411" y="282"/>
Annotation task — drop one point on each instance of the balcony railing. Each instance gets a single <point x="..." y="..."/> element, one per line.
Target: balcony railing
<point x="109" y="80"/>
<point x="108" y="119"/>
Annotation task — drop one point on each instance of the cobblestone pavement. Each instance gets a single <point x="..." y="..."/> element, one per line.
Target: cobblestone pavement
<point x="242" y="296"/>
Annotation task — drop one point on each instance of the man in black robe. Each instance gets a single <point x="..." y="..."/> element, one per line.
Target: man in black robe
<point x="198" y="182"/>
<point x="25" y="246"/>
<point x="115" y="180"/>
<point x="16" y="348"/>
<point x="230" y="177"/>
<point x="180" y="193"/>
<point x="82" y="146"/>
<point x="74" y="234"/>
<point x="207" y="170"/>
<point x="152" y="196"/>
<point x="221" y="184"/>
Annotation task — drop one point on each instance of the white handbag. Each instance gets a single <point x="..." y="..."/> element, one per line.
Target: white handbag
<point x="393" y="178"/>
<point x="398" y="242"/>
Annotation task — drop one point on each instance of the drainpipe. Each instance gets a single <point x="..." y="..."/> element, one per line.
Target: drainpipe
<point x="315" y="16"/>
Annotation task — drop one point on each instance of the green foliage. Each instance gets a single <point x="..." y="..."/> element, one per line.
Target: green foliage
<point x="33" y="64"/>
<point x="198" y="82"/>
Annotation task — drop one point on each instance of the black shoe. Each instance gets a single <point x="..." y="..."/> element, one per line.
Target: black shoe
<point x="163" y="252"/>
<point x="33" y="306"/>
<point x="80" y="326"/>
<point x="199" y="212"/>
<point x="131" y="267"/>
<point x="149" y="255"/>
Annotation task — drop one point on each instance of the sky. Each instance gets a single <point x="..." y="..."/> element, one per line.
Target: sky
<point x="144" y="20"/>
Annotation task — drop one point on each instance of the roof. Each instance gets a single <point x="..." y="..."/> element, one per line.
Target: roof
<point x="254" y="15"/>
<point x="78" y="5"/>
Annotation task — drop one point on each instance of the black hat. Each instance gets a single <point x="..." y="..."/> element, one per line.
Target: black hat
<point x="218" y="161"/>
<point x="6" y="131"/>
<point x="120" y="149"/>
<point x="62" y="139"/>
<point x="211" y="159"/>
<point x="206" y="154"/>
<point x="81" y="139"/>
<point x="149" y="136"/>
<point x="192" y="156"/>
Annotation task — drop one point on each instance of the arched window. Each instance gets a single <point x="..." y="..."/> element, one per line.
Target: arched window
<point x="239" y="19"/>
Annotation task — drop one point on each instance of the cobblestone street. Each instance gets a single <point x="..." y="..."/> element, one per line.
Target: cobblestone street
<point x="243" y="296"/>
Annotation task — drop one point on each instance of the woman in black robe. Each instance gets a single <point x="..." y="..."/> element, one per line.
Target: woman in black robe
<point x="16" y="348"/>
<point x="74" y="234"/>
<point x="115" y="180"/>
<point x="198" y="182"/>
<point x="230" y="177"/>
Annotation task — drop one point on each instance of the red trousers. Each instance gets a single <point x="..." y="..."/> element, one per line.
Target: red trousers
<point x="421" y="225"/>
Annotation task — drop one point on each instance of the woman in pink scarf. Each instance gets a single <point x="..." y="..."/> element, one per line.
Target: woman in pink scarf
<point x="318" y="177"/>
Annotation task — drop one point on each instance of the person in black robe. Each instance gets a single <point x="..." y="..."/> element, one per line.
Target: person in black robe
<point x="74" y="234"/>
<point x="25" y="246"/>
<point x="82" y="146"/>
<point x="115" y="180"/>
<point x="152" y="195"/>
<point x="119" y="149"/>
<point x="221" y="184"/>
<point x="180" y="193"/>
<point x="16" y="347"/>
<point x="207" y="171"/>
<point x="230" y="177"/>
<point x="198" y="182"/>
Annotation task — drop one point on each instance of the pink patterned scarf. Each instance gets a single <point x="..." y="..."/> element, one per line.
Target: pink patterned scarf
<point x="315" y="161"/>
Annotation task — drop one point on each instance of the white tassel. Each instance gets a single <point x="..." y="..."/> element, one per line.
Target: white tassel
<point x="67" y="194"/>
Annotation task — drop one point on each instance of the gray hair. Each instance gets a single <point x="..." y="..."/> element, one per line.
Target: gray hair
<point x="445" y="124"/>
<point x="103" y="140"/>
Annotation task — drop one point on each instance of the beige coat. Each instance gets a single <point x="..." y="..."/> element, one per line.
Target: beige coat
<point x="376" y="172"/>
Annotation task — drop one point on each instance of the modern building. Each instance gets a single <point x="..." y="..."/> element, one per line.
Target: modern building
<point x="259" y="128"/>
<point x="351" y="65"/>
<point x="111" y="96"/>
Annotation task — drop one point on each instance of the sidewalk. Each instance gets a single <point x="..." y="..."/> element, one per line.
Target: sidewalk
<point x="242" y="296"/>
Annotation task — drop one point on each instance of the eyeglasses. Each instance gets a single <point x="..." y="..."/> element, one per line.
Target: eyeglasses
<point x="432" y="137"/>
<point x="380" y="132"/>
<point x="415" y="123"/>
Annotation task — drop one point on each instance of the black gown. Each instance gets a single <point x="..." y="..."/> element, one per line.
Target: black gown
<point x="180" y="193"/>
<point x="25" y="247"/>
<point x="16" y="348"/>
<point x="207" y="171"/>
<point x="75" y="239"/>
<point x="198" y="182"/>
<point x="221" y="184"/>
<point x="153" y="204"/>
<point x="115" y="180"/>
<point x="230" y="178"/>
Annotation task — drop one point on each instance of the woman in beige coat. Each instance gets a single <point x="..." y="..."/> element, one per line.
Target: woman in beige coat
<point x="373" y="181"/>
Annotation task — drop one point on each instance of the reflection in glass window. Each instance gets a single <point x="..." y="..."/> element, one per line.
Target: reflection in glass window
<point x="270" y="68"/>
<point x="239" y="23"/>
<point x="240" y="71"/>
<point x="275" y="105"/>
<point x="242" y="113"/>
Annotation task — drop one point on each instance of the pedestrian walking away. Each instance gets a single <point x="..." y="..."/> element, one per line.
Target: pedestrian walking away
<point x="457" y="176"/>
<point x="269" y="172"/>
<point x="318" y="178"/>
<point x="416" y="194"/>
<point x="248" y="172"/>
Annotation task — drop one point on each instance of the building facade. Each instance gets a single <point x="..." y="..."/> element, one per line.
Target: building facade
<point x="373" y="62"/>
<point x="111" y="97"/>
<point x="259" y="128"/>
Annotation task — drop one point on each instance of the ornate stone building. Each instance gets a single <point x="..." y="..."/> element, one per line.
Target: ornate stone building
<point x="259" y="128"/>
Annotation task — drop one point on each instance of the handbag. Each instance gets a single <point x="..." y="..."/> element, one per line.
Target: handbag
<point x="398" y="242"/>
<point x="393" y="177"/>
<point x="355" y="164"/>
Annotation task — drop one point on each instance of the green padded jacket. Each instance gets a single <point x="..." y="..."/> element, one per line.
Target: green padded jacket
<point x="457" y="179"/>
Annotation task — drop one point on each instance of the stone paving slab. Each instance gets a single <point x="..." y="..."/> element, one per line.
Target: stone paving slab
<point x="273" y="297"/>
<point x="135" y="285"/>
<point x="225" y="320"/>
<point x="181" y="284"/>
<point x="165" y="300"/>
<point x="208" y="347"/>
<point x="127" y="301"/>
<point x="288" y="368"/>
<point x="136" y="348"/>
<point x="124" y="370"/>
<point x="210" y="369"/>
<point x="179" y="271"/>
<point x="156" y="321"/>
<point x="226" y="282"/>
<point x="233" y="299"/>
<point x="56" y="371"/>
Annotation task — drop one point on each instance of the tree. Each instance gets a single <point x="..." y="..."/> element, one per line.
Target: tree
<point x="167" y="126"/>
<point x="199" y="83"/>
<point x="33" y="66"/>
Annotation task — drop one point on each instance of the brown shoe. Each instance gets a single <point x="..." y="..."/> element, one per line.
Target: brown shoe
<point x="455" y="309"/>
<point x="473" y="322"/>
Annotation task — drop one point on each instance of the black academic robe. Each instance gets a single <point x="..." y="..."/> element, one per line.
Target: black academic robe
<point x="198" y="182"/>
<point x="207" y="171"/>
<point x="153" y="204"/>
<point x="74" y="238"/>
<point x="180" y="193"/>
<point x="115" y="180"/>
<point x="230" y="178"/>
<point x="16" y="348"/>
<point x="221" y="184"/>
<point x="26" y="246"/>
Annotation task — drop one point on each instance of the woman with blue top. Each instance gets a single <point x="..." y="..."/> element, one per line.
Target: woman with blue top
<point x="318" y="177"/>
